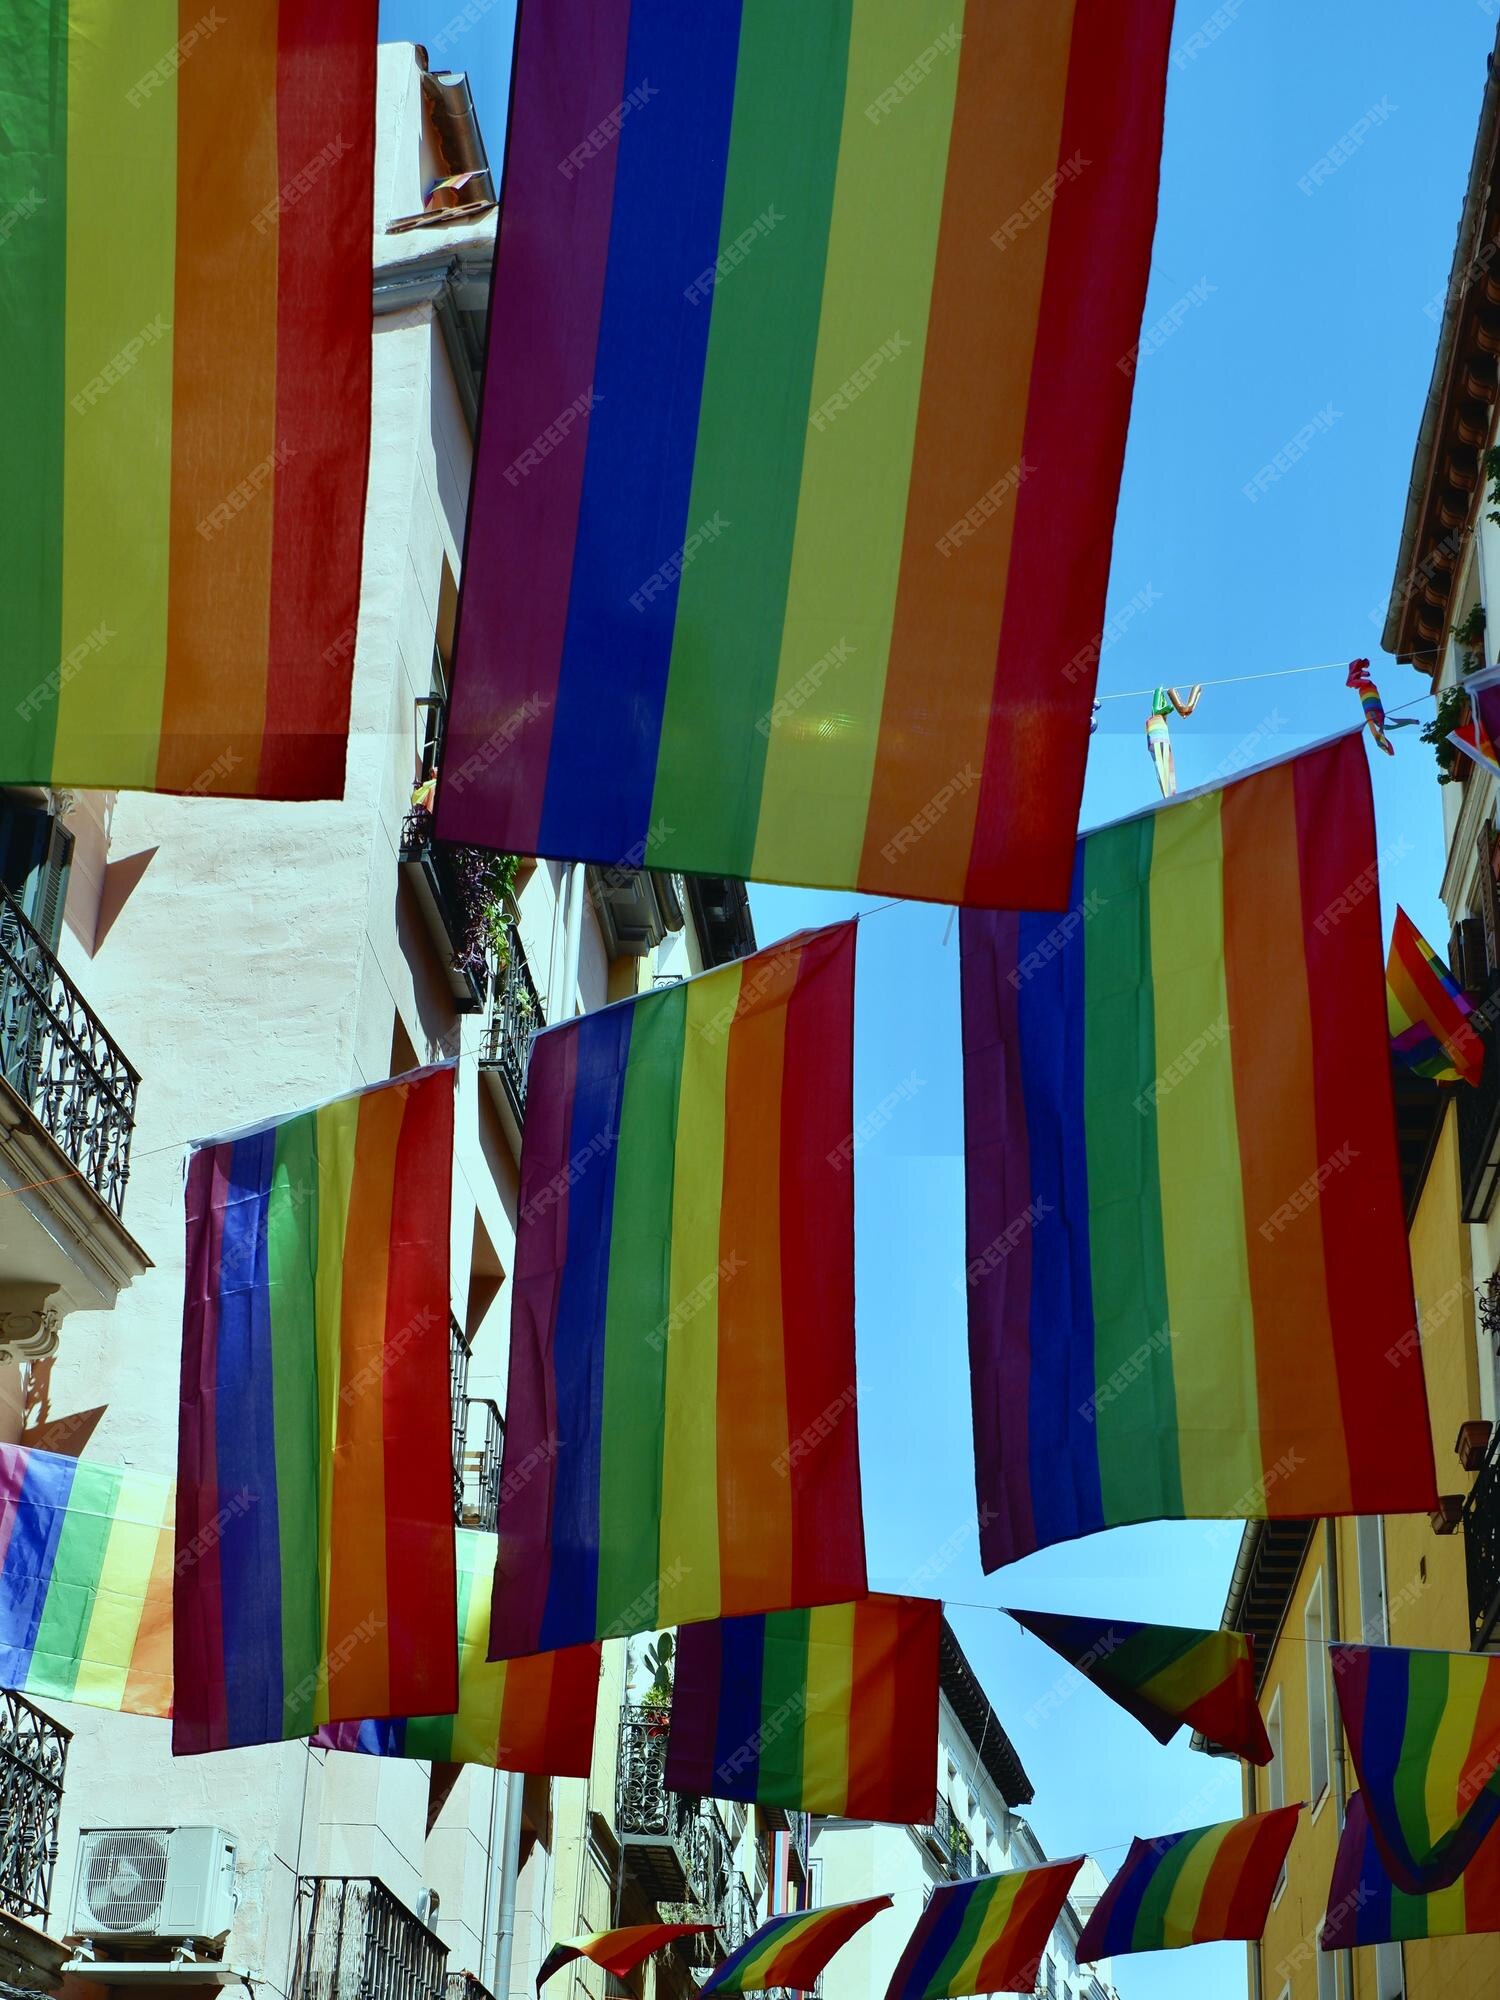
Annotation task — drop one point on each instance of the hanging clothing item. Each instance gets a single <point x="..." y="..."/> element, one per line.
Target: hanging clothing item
<point x="1184" y="705"/>
<point x="1370" y="702"/>
<point x="1159" y="742"/>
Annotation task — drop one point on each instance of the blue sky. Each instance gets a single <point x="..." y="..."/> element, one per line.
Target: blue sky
<point x="1298" y="308"/>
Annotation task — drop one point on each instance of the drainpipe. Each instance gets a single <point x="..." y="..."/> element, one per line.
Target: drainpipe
<point x="572" y="945"/>
<point x="1340" y="1780"/>
<point x="510" y="1868"/>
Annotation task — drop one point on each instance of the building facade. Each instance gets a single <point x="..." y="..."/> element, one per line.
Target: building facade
<point x="976" y="1829"/>
<point x="175" y="967"/>
<point x="1405" y="1581"/>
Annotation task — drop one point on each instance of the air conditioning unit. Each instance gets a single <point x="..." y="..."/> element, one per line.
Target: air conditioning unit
<point x="154" y="1881"/>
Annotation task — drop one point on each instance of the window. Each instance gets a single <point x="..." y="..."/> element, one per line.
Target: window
<point x="1369" y="1544"/>
<point x="1390" y="1973"/>
<point x="1328" y="1978"/>
<point x="35" y="852"/>
<point x="1276" y="1771"/>
<point x="1318" y="1768"/>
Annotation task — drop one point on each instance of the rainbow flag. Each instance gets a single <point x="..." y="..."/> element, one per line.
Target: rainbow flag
<point x="1427" y="1011"/>
<point x="682" y="1331"/>
<point x="1165" y="1676"/>
<point x="802" y="437"/>
<point x="1424" y="1737"/>
<point x="827" y="1711"/>
<point x="1366" y="1907"/>
<point x="619" y="1951"/>
<point x="535" y="1714"/>
<point x="185" y="226"/>
<point x="1187" y="1255"/>
<point x="85" y="1582"/>
<point x="1200" y="1887"/>
<point x="793" y="1950"/>
<point x="314" y="1461"/>
<point x="983" y="1936"/>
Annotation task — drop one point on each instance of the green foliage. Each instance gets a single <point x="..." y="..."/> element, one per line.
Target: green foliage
<point x="659" y="1660"/>
<point x="1452" y="709"/>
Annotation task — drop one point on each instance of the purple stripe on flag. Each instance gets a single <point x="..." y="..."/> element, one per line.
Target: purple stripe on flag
<point x="998" y="1248"/>
<point x="197" y="1614"/>
<point x="558" y="193"/>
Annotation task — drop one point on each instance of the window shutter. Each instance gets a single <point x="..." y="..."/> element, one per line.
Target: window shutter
<point x="50" y="888"/>
<point x="1489" y="904"/>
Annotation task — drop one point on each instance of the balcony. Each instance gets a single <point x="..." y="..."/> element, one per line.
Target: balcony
<point x="446" y="882"/>
<point x="33" y="1753"/>
<point x="1481" y="1526"/>
<point x="1478" y="1107"/>
<point x="56" y="1058"/>
<point x="738" y="1918"/>
<point x="356" y="1941"/>
<point x="484" y="1451"/>
<point x="516" y="1012"/>
<point x="466" y="1986"/>
<point x="459" y="1353"/>
<point x="676" y="1849"/>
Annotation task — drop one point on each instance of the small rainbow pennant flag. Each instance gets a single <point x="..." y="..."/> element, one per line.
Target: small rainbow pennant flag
<point x="85" y="1582"/>
<point x="185" y="211"/>
<point x="1165" y="1676"/>
<point x="792" y="1951"/>
<point x="983" y="1936"/>
<point x="1428" y="1011"/>
<point x="682" y="1332"/>
<point x="843" y="631"/>
<point x="619" y="1951"/>
<point x="1424" y="1737"/>
<point x="534" y="1714"/>
<point x="315" y="1390"/>
<point x="832" y="1711"/>
<point x="1366" y="1907"/>
<point x="1199" y="1887"/>
<point x="1186" y="1233"/>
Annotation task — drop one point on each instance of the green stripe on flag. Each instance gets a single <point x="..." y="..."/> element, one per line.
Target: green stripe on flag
<point x="292" y="1264"/>
<point x="1136" y="1407"/>
<point x="636" y="1313"/>
<point x="74" y="1583"/>
<point x="788" y="114"/>
<point x="33" y="316"/>
<point x="783" y="1707"/>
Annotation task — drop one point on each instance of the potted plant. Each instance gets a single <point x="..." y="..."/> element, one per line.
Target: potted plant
<point x="1452" y="709"/>
<point x="657" y="1701"/>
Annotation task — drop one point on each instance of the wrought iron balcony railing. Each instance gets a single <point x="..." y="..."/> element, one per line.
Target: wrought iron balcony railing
<point x="516" y="1012"/>
<point x="1481" y="1526"/>
<point x="676" y="1846"/>
<point x="801" y="1831"/>
<point x="33" y="1753"/>
<point x="459" y="1353"/>
<point x="357" y="1941"/>
<point x="57" y="1058"/>
<point x="484" y="1452"/>
<point x="738" y="1919"/>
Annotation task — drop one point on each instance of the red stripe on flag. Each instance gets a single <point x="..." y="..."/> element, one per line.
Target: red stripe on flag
<point x="1098" y="261"/>
<point x="817" y="1273"/>
<point x="1381" y="1389"/>
<point x="325" y="123"/>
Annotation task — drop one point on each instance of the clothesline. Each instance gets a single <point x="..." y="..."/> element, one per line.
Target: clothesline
<point x="1273" y="674"/>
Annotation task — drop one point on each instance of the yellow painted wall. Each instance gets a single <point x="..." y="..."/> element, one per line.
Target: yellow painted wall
<point x="1426" y="1604"/>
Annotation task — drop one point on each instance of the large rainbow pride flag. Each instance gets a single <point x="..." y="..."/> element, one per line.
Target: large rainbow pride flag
<point x="1189" y="1288"/>
<point x="682" y="1331"/>
<point x="1199" y="1887"/>
<point x="983" y="1936"/>
<point x="85" y="1581"/>
<point x="833" y="1710"/>
<point x="1428" y="1012"/>
<point x="792" y="1951"/>
<point x="314" y="1466"/>
<point x="1165" y="1675"/>
<point x="185" y="227"/>
<point x="805" y="407"/>
<point x="534" y="1714"/>
<point x="1424" y="1739"/>
<point x="1366" y="1907"/>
